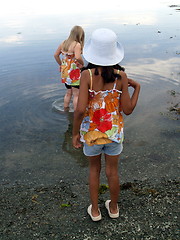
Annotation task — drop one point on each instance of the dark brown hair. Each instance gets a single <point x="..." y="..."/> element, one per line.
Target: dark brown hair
<point x="107" y="73"/>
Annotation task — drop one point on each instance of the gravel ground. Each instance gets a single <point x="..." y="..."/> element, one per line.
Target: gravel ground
<point x="147" y="211"/>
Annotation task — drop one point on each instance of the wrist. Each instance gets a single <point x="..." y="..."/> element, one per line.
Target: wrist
<point x="137" y="86"/>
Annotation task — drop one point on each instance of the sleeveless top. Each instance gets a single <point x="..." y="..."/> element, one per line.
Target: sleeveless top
<point x="70" y="73"/>
<point x="102" y="122"/>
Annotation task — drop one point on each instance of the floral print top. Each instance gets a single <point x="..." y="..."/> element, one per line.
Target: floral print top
<point x="103" y="122"/>
<point x="70" y="73"/>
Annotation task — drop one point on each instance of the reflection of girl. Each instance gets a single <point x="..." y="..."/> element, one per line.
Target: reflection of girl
<point x="67" y="143"/>
<point x="70" y="63"/>
<point x="103" y="95"/>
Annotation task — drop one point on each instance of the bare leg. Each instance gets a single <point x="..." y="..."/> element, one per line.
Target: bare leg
<point x="94" y="178"/>
<point x="75" y="92"/>
<point x="113" y="180"/>
<point x="67" y="98"/>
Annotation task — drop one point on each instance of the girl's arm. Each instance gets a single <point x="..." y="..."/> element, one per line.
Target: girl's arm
<point x="135" y="95"/>
<point x="78" y="52"/>
<point x="129" y="103"/>
<point x="57" y="54"/>
<point x="81" y="108"/>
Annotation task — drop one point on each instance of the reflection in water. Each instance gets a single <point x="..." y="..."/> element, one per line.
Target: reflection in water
<point x="50" y="7"/>
<point x="34" y="138"/>
<point x="12" y="39"/>
<point x="152" y="70"/>
<point x="76" y="154"/>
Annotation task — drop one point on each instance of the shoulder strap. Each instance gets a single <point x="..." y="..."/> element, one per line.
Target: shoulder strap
<point x="116" y="80"/>
<point x="91" y="82"/>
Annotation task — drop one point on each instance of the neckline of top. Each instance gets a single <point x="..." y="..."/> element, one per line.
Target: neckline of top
<point x="107" y="90"/>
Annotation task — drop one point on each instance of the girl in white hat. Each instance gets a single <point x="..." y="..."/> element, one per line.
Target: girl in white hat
<point x="70" y="63"/>
<point x="98" y="121"/>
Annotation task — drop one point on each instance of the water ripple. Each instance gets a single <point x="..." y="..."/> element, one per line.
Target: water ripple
<point x="155" y="70"/>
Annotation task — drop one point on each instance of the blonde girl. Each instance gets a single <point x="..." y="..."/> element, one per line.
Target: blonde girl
<point x="68" y="56"/>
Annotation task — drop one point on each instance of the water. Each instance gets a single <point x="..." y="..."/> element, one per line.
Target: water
<point x="35" y="137"/>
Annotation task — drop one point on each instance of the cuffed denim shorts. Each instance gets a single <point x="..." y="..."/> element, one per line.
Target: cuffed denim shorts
<point x="111" y="149"/>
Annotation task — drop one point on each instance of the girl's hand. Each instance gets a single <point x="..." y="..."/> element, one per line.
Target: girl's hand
<point x="79" y="65"/>
<point x="132" y="83"/>
<point x="76" y="141"/>
<point x="60" y="68"/>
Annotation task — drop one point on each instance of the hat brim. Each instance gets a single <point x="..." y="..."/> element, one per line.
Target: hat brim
<point x="97" y="59"/>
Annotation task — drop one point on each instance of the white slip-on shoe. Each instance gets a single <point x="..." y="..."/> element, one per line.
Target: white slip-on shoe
<point x="95" y="219"/>
<point x="112" y="215"/>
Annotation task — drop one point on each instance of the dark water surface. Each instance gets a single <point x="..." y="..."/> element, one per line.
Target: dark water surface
<point x="35" y="140"/>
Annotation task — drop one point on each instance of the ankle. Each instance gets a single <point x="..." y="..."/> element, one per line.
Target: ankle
<point x="95" y="211"/>
<point x="113" y="207"/>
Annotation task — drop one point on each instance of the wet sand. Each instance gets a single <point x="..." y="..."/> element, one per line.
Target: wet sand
<point x="58" y="211"/>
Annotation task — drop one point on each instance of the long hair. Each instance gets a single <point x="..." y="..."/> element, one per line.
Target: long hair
<point x="107" y="73"/>
<point x="76" y="34"/>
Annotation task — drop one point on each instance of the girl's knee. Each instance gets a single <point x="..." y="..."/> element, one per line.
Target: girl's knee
<point x="95" y="168"/>
<point x="69" y="93"/>
<point x="75" y="92"/>
<point x="111" y="173"/>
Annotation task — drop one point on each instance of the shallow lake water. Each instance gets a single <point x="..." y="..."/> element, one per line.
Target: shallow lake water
<point x="35" y="137"/>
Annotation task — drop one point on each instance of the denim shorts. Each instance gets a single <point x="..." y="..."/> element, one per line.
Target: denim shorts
<point x="111" y="149"/>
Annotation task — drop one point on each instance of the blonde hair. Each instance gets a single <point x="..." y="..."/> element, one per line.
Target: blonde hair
<point x="76" y="34"/>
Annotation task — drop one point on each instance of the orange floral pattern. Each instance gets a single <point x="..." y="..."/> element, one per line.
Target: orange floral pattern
<point x="70" y="73"/>
<point x="103" y="123"/>
<point x="111" y="101"/>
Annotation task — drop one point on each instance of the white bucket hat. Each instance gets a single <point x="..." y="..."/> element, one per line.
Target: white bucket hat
<point x="103" y="49"/>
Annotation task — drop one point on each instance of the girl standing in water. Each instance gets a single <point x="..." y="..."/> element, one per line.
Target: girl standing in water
<point x="70" y="63"/>
<point x="98" y="121"/>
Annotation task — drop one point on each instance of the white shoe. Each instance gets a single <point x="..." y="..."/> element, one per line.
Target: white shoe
<point x="95" y="219"/>
<point x="112" y="215"/>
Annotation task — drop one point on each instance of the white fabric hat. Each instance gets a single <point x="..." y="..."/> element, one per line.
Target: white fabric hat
<point x="103" y="49"/>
